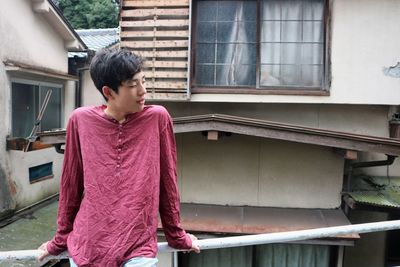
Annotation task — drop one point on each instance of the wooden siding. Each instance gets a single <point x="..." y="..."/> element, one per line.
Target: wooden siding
<point x="159" y="31"/>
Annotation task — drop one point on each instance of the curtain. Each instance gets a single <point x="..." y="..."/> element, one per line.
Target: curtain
<point x="292" y="43"/>
<point x="226" y="43"/>
<point x="274" y="255"/>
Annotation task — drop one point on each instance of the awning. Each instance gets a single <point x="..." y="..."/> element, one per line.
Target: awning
<point x="256" y="220"/>
<point x="372" y="192"/>
<point x="18" y="67"/>
<point x="272" y="130"/>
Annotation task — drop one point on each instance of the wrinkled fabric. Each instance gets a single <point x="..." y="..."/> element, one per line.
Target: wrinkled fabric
<point x="115" y="179"/>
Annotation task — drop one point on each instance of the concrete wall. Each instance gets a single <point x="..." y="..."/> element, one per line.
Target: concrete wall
<point x="244" y="170"/>
<point x="364" y="39"/>
<point x="28" y="38"/>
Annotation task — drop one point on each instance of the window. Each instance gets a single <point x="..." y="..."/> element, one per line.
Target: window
<point x="272" y="255"/>
<point x="264" y="44"/>
<point x="27" y="98"/>
<point x="41" y="172"/>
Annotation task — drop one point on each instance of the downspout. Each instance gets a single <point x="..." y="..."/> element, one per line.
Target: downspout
<point x="78" y="94"/>
<point x="366" y="164"/>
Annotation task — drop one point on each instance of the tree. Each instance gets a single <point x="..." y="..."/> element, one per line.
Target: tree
<point x="90" y="14"/>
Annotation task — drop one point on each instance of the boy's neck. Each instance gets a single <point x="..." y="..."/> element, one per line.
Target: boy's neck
<point x="115" y="114"/>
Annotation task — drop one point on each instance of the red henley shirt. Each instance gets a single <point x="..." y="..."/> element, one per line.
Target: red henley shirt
<point x="115" y="179"/>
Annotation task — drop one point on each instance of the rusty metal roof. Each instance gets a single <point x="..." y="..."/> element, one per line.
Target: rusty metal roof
<point x="378" y="191"/>
<point x="256" y="220"/>
<point x="272" y="130"/>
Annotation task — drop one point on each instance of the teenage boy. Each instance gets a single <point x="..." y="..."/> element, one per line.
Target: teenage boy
<point x="119" y="171"/>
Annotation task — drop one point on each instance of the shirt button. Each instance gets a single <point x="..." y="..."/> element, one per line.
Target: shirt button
<point x="119" y="157"/>
<point x="118" y="166"/>
<point x="119" y="149"/>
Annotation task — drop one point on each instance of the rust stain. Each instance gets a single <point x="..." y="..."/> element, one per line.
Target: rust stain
<point x="12" y="185"/>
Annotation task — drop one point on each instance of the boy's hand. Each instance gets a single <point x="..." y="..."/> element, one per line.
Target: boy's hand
<point x="43" y="251"/>
<point x="195" y="247"/>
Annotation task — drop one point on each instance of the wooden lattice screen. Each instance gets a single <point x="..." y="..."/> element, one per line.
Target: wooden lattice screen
<point x="159" y="31"/>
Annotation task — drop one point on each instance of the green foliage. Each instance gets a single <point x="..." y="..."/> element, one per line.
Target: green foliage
<point x="90" y="14"/>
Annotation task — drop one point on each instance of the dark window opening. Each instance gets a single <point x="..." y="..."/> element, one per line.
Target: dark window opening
<point x="41" y="172"/>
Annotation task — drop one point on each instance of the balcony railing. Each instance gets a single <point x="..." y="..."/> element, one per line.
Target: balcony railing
<point x="245" y="240"/>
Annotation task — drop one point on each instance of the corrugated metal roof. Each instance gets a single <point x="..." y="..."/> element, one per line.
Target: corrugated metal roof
<point x="257" y="220"/>
<point x="379" y="191"/>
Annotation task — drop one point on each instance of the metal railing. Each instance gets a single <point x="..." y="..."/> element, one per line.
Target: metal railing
<point x="245" y="240"/>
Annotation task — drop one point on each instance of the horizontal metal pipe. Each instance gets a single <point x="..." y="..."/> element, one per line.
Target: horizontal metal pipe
<point x="245" y="240"/>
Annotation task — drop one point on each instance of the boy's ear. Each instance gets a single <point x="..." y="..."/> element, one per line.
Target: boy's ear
<point x="107" y="92"/>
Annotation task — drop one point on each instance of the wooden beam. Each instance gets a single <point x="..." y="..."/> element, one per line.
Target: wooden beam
<point x="163" y="54"/>
<point x="347" y="154"/>
<point x="156" y="23"/>
<point x="155" y="44"/>
<point x="212" y="135"/>
<point x="154" y="3"/>
<point x="165" y="74"/>
<point x="144" y="13"/>
<point x="152" y="33"/>
<point x="166" y="64"/>
<point x="166" y="85"/>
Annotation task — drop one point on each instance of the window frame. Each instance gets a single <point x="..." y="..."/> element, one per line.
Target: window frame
<point x="324" y="90"/>
<point x="38" y="83"/>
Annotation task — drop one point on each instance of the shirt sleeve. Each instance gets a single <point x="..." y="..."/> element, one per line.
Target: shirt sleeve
<point x="71" y="190"/>
<point x="169" y="194"/>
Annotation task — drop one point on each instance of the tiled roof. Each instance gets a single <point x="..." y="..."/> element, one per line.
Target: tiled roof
<point x="375" y="191"/>
<point x="96" y="39"/>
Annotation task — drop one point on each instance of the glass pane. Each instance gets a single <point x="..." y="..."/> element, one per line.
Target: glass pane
<point x="312" y="31"/>
<point x="230" y="11"/>
<point x="311" y="75"/>
<point x="314" y="10"/>
<point x="249" y="10"/>
<point x="291" y="10"/>
<point x="290" y="53"/>
<point x="206" y="32"/>
<point x="270" y="75"/>
<point x="23" y="109"/>
<point x="239" y="75"/>
<point x="229" y="32"/>
<point x="205" y="74"/>
<point x="271" y="31"/>
<point x="236" y="53"/>
<point x="312" y="54"/>
<point x="291" y="31"/>
<point x="271" y="10"/>
<point x="290" y="75"/>
<point x="205" y="53"/>
<point x="206" y="10"/>
<point x="271" y="53"/>
<point x="52" y="115"/>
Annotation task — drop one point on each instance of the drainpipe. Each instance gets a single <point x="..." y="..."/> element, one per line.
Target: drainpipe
<point x="366" y="164"/>
<point x="78" y="94"/>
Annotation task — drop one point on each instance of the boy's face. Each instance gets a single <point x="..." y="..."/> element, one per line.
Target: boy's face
<point x="131" y="94"/>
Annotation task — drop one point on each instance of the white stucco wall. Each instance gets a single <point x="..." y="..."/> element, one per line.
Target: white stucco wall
<point x="365" y="38"/>
<point x="90" y="95"/>
<point x="27" y="37"/>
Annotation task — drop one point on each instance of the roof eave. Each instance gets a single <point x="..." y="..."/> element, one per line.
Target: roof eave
<point x="72" y="41"/>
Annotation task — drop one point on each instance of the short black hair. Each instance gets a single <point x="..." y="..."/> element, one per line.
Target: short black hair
<point x="111" y="67"/>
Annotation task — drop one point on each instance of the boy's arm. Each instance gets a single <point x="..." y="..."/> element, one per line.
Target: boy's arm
<point x="71" y="190"/>
<point x="169" y="194"/>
